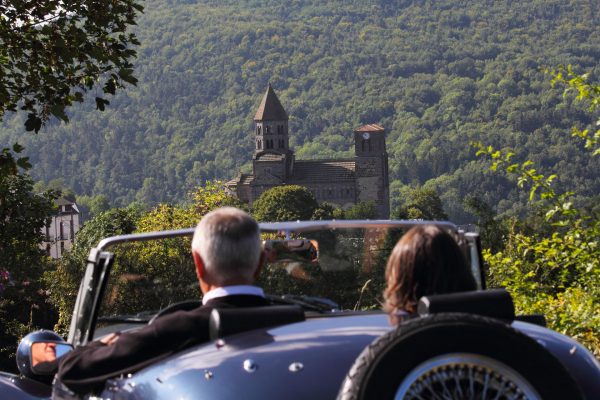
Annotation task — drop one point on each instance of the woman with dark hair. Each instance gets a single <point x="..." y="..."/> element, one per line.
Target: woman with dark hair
<point x="425" y="261"/>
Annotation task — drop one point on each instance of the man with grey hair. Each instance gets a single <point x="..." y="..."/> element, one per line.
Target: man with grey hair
<point x="228" y="257"/>
<point x="226" y="251"/>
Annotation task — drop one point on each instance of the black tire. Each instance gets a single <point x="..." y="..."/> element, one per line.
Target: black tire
<point x="185" y="305"/>
<point x="454" y="351"/>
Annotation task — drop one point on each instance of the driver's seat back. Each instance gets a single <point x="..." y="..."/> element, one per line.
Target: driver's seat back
<point x="228" y="321"/>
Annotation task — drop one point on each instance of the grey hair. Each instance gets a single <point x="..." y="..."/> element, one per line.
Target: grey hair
<point x="228" y="241"/>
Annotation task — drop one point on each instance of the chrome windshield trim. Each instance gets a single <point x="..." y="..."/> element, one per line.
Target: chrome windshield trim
<point x="287" y="227"/>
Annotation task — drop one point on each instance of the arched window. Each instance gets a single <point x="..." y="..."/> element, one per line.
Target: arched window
<point x="258" y="130"/>
<point x="259" y="144"/>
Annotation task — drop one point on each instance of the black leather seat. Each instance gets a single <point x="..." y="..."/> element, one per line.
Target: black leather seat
<point x="495" y="303"/>
<point x="228" y="321"/>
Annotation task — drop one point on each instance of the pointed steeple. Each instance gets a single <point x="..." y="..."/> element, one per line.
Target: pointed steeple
<point x="270" y="108"/>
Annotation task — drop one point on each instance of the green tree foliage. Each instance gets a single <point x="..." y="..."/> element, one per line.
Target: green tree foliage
<point x="492" y="230"/>
<point x="326" y="211"/>
<point x="90" y="206"/>
<point x="211" y="196"/>
<point x="150" y="274"/>
<point x="421" y="203"/>
<point x="554" y="270"/>
<point x="22" y="295"/>
<point x="10" y="162"/>
<point x="285" y="203"/>
<point x="53" y="52"/>
<point x="166" y="266"/>
<point x="360" y="210"/>
<point x="167" y="261"/>
<point x="586" y="91"/>
<point x="57" y="185"/>
<point x="63" y="282"/>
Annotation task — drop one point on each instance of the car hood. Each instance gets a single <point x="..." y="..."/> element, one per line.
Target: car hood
<point x="16" y="387"/>
<point x="303" y="360"/>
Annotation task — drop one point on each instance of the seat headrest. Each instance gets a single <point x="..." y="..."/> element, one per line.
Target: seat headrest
<point x="227" y="321"/>
<point x="495" y="303"/>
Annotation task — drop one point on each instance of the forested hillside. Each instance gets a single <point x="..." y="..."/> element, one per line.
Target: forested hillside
<point x="436" y="74"/>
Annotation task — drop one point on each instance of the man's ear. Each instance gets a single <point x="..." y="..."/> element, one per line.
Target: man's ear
<point x="199" y="265"/>
<point x="261" y="261"/>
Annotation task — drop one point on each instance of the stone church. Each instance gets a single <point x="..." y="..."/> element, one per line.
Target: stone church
<point x="341" y="181"/>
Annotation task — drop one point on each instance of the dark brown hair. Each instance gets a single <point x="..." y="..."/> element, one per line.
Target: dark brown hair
<point x="425" y="261"/>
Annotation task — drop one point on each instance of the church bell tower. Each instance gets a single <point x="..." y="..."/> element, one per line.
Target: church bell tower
<point x="372" y="167"/>
<point x="271" y="125"/>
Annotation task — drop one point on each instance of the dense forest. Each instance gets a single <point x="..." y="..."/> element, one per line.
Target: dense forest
<point x="436" y="74"/>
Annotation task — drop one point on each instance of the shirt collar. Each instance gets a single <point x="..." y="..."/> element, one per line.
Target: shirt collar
<point x="232" y="290"/>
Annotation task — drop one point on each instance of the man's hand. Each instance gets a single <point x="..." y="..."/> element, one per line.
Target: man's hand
<point x="110" y="339"/>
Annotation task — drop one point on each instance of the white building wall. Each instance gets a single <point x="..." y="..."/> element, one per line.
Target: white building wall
<point x="60" y="233"/>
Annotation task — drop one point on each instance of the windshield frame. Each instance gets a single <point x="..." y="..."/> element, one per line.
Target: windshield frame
<point x="100" y="261"/>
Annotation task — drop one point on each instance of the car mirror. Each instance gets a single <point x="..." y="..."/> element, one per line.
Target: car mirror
<point x="289" y="251"/>
<point x="38" y="351"/>
<point x="44" y="355"/>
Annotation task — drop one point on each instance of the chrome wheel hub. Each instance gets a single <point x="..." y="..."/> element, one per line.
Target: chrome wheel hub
<point x="465" y="376"/>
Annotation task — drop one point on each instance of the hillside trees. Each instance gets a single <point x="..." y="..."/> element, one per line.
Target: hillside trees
<point x="435" y="84"/>
<point x="555" y="269"/>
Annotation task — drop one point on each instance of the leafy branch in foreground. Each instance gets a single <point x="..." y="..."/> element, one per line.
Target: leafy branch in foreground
<point x="559" y="207"/>
<point x="52" y="52"/>
<point x="556" y="271"/>
<point x="586" y="91"/>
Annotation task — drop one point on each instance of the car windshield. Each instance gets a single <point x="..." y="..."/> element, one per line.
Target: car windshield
<point x="323" y="270"/>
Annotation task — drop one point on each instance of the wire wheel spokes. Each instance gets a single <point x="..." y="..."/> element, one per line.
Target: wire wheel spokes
<point x="464" y="376"/>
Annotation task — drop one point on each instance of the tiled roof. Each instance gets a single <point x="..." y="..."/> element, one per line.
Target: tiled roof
<point x="370" y="128"/>
<point x="323" y="171"/>
<point x="242" y="179"/>
<point x="246" y="179"/>
<point x="233" y="182"/>
<point x="61" y="201"/>
<point x="270" y="108"/>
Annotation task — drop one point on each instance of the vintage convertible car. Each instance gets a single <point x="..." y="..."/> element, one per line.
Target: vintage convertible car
<point x="325" y="336"/>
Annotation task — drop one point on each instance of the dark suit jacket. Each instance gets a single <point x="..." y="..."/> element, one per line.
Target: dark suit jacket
<point x="87" y="368"/>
